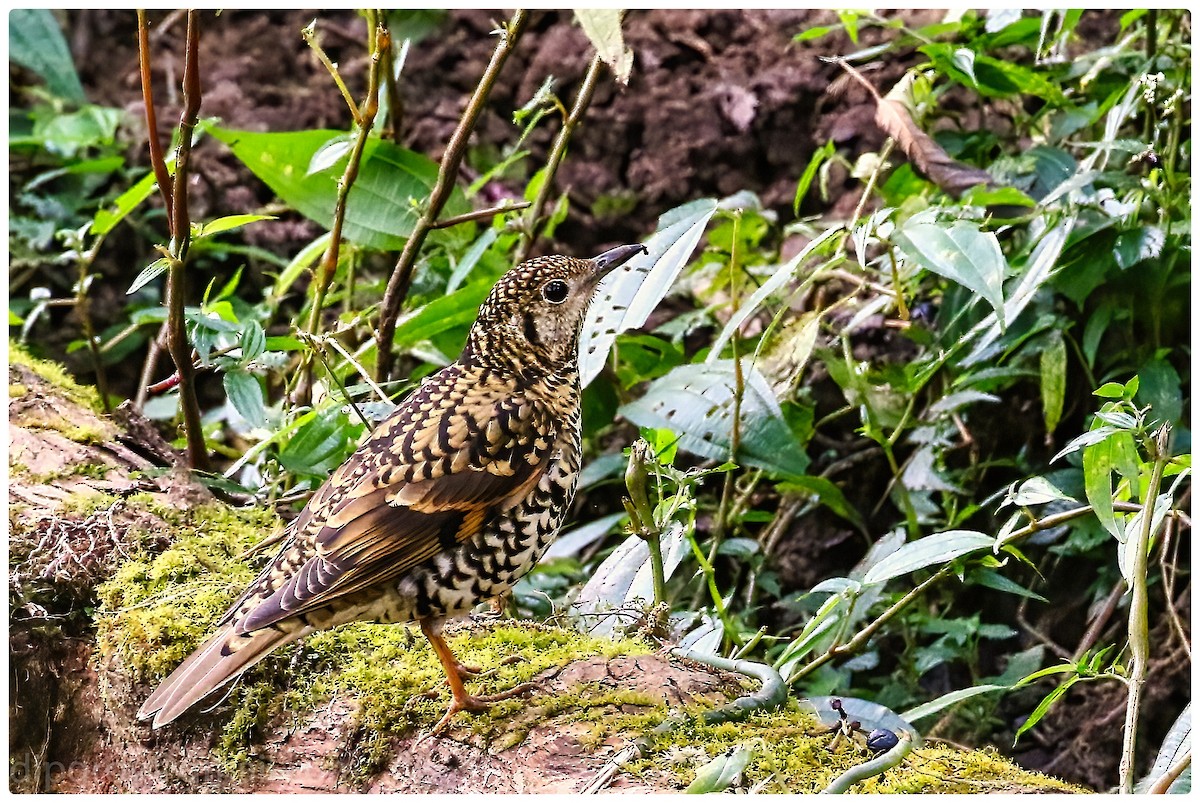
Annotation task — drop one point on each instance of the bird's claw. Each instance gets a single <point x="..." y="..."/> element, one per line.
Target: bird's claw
<point x="477" y="703"/>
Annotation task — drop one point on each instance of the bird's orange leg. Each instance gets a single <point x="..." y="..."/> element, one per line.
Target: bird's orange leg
<point x="454" y="671"/>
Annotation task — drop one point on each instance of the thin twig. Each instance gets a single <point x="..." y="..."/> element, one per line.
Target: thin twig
<point x="533" y="218"/>
<point x="364" y="118"/>
<point x="401" y="278"/>
<point x="157" y="161"/>
<point x="309" y="34"/>
<point x="478" y="214"/>
<point x="1163" y="784"/>
<point x="863" y="636"/>
<point x="180" y="224"/>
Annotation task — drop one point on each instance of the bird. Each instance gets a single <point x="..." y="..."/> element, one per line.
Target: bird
<point x="450" y="501"/>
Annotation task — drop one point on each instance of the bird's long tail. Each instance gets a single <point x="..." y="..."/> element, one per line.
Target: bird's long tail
<point x="217" y="661"/>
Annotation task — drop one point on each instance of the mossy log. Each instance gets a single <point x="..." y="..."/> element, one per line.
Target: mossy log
<point x="119" y="564"/>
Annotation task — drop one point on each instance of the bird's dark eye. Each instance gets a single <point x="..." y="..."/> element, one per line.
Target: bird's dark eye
<point x="555" y="291"/>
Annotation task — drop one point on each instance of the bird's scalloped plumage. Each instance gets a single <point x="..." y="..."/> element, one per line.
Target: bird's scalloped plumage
<point x="449" y="502"/>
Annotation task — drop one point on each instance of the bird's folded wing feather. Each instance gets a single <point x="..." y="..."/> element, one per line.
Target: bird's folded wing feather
<point x="422" y="484"/>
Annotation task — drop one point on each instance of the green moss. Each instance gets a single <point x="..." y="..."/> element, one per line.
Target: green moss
<point x="88" y="470"/>
<point x="56" y="375"/>
<point x="790" y="754"/>
<point x="156" y="609"/>
<point x="16" y="390"/>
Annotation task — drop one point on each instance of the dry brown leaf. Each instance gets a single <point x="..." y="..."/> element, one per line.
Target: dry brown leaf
<point x="927" y="156"/>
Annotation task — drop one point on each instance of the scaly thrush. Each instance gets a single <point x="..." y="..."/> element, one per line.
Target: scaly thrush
<point x="451" y="500"/>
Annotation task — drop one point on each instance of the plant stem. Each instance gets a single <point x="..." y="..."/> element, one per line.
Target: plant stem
<point x="533" y="217"/>
<point x="479" y="214"/>
<point x="157" y="162"/>
<point x="641" y="514"/>
<point x="309" y="34"/>
<point x="364" y="118"/>
<point x="1139" y="607"/>
<point x="869" y="769"/>
<point x="180" y="225"/>
<point x="863" y="636"/>
<point x="401" y="278"/>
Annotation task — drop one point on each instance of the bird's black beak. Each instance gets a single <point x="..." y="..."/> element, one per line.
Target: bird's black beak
<point x="615" y="257"/>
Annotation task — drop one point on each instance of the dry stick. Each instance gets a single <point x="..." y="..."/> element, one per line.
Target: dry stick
<point x="157" y="161"/>
<point x="533" y="217"/>
<point x="364" y="118"/>
<point x="479" y="214"/>
<point x="177" y="342"/>
<point x="401" y="278"/>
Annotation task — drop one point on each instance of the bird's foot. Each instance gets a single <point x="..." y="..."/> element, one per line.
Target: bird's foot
<point x="471" y="702"/>
<point x="467" y="669"/>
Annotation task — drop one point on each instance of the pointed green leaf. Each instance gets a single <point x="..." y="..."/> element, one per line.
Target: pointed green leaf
<point x="36" y="43"/>
<point x="1053" y="363"/>
<point x="932" y="550"/>
<point x="245" y="394"/>
<point x="149" y="274"/>
<point x="959" y="252"/>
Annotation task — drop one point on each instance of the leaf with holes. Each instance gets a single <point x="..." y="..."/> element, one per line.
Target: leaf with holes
<point x="625" y="299"/>
<point x="698" y="401"/>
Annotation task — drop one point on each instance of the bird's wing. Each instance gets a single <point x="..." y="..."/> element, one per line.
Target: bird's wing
<point x="427" y="480"/>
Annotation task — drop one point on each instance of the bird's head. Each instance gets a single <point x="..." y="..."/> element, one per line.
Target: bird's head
<point x="531" y="320"/>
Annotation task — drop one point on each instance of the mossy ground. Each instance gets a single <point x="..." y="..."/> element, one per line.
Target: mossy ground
<point x="157" y="608"/>
<point x="790" y="753"/>
<point x="55" y="375"/>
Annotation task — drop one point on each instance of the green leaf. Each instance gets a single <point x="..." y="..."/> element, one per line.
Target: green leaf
<point x="384" y="204"/>
<point x="603" y="29"/>
<point x="36" y="43"/>
<point x="1044" y="706"/>
<point x="990" y="578"/>
<point x="1109" y="390"/>
<point x="106" y="219"/>
<point x="1053" y="362"/>
<point x="1132" y="247"/>
<point x="245" y="394"/>
<point x="959" y="252"/>
<point x="1099" y="461"/>
<point x="810" y="172"/>
<point x="460" y="308"/>
<point x="321" y="443"/>
<point x="1037" y="271"/>
<point x="254" y="340"/>
<point x="782" y="275"/>
<point x="149" y="274"/>
<point x="626" y="298"/>
<point x="815" y="32"/>
<point x="1160" y="387"/>
<point x="936" y="549"/>
<point x="68" y="133"/>
<point x="830" y="495"/>
<point x="228" y="223"/>
<point x="718" y="774"/>
<point x="697" y="401"/>
<point x="949" y="699"/>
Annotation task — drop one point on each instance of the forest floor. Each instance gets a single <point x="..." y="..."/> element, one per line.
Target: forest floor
<point x="719" y="102"/>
